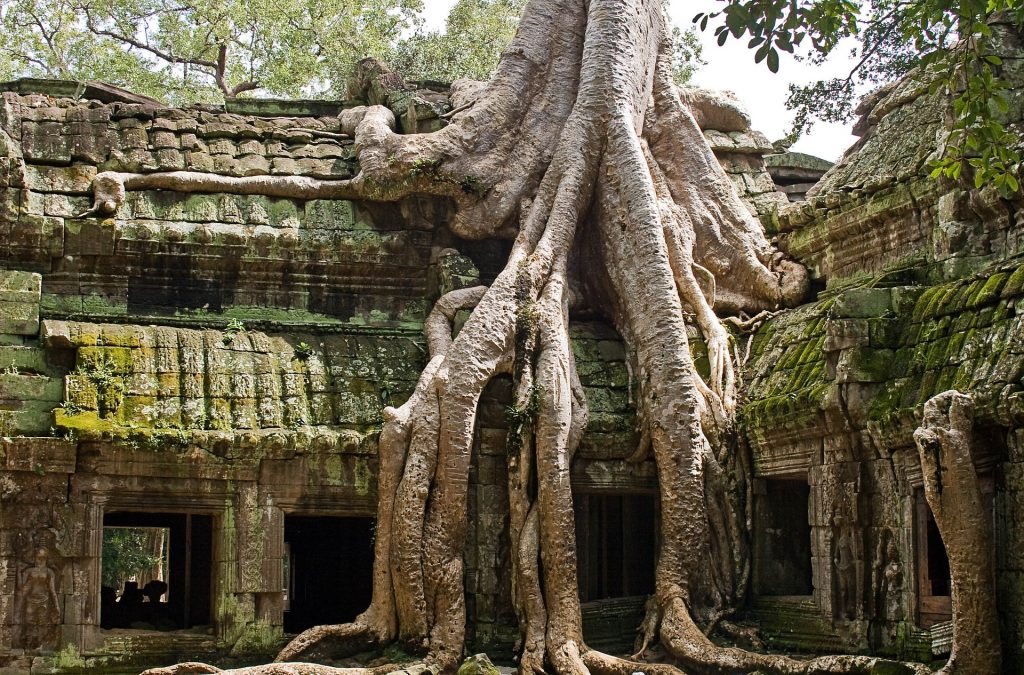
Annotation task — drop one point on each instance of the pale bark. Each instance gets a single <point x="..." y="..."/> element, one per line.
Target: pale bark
<point x="954" y="496"/>
<point x="580" y="140"/>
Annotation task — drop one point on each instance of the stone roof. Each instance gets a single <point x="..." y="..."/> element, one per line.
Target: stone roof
<point x="906" y="343"/>
<point x="78" y="89"/>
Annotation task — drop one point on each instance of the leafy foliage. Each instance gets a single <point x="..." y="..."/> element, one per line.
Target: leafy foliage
<point x="943" y="42"/>
<point x="126" y="553"/>
<point x="687" y="54"/>
<point x="202" y="51"/>
<point x="475" y="34"/>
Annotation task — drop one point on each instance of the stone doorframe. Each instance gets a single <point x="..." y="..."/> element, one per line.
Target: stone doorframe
<point x="88" y="635"/>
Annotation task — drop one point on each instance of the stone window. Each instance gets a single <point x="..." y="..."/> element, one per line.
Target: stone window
<point x="782" y="537"/>
<point x="186" y="570"/>
<point x="328" y="571"/>
<point x="615" y="544"/>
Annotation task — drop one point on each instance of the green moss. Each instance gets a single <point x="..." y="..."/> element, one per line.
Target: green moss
<point x="989" y="291"/>
<point x="67" y="659"/>
<point x="141" y="410"/>
<point x="258" y="639"/>
<point x="935" y="358"/>
<point x="362" y="476"/>
<point x="954" y="346"/>
<point x="87" y="424"/>
<point x="333" y="471"/>
<point x="922" y="307"/>
<point x="872" y="365"/>
<point x="100" y="360"/>
<point x="945" y="302"/>
<point x="1014" y="284"/>
<point x="884" y="406"/>
<point x="120" y="336"/>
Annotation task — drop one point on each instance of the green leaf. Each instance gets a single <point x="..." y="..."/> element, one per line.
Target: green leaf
<point x="773" y="60"/>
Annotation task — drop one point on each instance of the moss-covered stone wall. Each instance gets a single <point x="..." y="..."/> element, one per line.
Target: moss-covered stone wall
<point x="231" y="356"/>
<point x="835" y="391"/>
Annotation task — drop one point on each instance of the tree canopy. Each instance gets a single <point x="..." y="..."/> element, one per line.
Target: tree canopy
<point x="944" y="42"/>
<point x="187" y="51"/>
<point x="202" y="50"/>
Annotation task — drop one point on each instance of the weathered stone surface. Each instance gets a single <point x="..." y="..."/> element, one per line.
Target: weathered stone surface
<point x="478" y="664"/>
<point x="19" y="302"/>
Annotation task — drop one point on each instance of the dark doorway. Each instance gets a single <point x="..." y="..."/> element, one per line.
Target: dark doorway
<point x="188" y="570"/>
<point x="934" y="603"/>
<point x="615" y="544"/>
<point x="782" y="537"/>
<point x="328" y="570"/>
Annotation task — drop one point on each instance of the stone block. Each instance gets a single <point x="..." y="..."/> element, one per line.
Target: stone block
<point x="92" y="145"/>
<point x="284" y="166"/>
<point x="31" y="418"/>
<point x="22" y="359"/>
<point x="322" y="151"/>
<point x="864" y="365"/>
<point x="253" y="165"/>
<point x="863" y="303"/>
<point x="20" y="286"/>
<point x="198" y="161"/>
<point x="46" y="143"/>
<point x="69" y="179"/>
<point x="134" y="138"/>
<point x="170" y="159"/>
<point x="19" y="302"/>
<point x="226" y="164"/>
<point x="330" y="215"/>
<point x="30" y="387"/>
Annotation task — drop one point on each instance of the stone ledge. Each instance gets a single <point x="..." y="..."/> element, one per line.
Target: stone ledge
<point x="39" y="455"/>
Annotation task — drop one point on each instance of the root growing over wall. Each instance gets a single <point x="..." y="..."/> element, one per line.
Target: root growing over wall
<point x="581" y="140"/>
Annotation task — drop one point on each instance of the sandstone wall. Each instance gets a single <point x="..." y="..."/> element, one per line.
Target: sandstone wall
<point x="919" y="285"/>
<point x="231" y="356"/>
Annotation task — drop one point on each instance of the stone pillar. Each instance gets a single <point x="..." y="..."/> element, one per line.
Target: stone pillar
<point x="258" y="614"/>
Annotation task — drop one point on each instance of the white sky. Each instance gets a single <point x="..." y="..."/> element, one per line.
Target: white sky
<point x="732" y="67"/>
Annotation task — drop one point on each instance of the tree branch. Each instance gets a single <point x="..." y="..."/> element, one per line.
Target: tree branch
<point x="159" y="53"/>
<point x="248" y="85"/>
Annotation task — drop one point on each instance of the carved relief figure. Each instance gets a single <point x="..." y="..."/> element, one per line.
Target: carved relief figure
<point x="844" y="561"/>
<point x="892" y="582"/>
<point x="37" y="608"/>
<point x="887" y="578"/>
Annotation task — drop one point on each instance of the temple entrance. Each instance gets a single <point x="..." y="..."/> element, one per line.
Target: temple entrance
<point x="162" y="564"/>
<point x="782" y="537"/>
<point x="328" y="569"/>
<point x="615" y="543"/>
<point x="934" y="604"/>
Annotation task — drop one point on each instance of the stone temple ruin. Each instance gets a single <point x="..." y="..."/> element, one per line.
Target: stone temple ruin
<point x="214" y="366"/>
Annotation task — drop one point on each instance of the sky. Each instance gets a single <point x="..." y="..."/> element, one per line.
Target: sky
<point x="732" y="67"/>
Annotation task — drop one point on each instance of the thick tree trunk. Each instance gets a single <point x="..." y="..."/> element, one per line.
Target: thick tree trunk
<point x="581" y="139"/>
<point x="965" y="523"/>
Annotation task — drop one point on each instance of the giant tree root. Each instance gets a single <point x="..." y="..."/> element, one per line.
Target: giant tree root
<point x="579" y="143"/>
<point x="194" y="668"/>
<point x="954" y="496"/>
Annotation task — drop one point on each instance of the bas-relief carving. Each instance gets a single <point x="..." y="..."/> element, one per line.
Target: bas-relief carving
<point x="846" y="550"/>
<point x="887" y="578"/>
<point x="844" y="563"/>
<point x="37" y="607"/>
